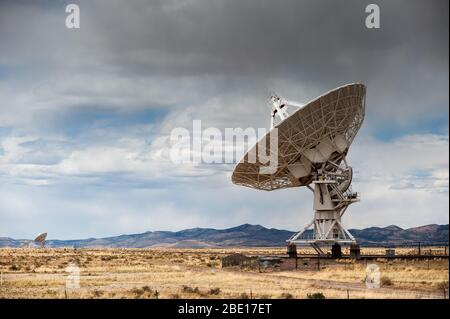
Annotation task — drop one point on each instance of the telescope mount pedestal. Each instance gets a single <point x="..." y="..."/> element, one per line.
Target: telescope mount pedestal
<point x="332" y="196"/>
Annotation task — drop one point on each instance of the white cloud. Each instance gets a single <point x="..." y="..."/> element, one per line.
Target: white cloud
<point x="403" y="182"/>
<point x="420" y="160"/>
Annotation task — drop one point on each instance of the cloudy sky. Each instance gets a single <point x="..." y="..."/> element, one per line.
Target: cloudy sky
<point x="85" y="114"/>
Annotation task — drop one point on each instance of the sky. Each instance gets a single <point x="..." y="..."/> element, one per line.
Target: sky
<point x="86" y="114"/>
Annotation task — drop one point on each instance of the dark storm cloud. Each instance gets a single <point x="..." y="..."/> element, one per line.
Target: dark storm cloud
<point x="322" y="43"/>
<point x="310" y="40"/>
<point x="249" y="44"/>
<point x="301" y="38"/>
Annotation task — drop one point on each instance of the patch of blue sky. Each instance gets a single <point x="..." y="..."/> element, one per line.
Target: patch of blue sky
<point x="388" y="131"/>
<point x="83" y="119"/>
<point x="126" y="181"/>
<point x="108" y="181"/>
<point x="421" y="173"/>
<point x="5" y="130"/>
<point x="44" y="151"/>
<point x="5" y="71"/>
<point x="24" y="73"/>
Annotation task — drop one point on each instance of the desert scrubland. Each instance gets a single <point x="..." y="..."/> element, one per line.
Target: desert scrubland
<point x="197" y="273"/>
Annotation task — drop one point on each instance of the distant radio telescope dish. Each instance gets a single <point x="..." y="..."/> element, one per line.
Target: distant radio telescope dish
<point x="313" y="141"/>
<point x="40" y="239"/>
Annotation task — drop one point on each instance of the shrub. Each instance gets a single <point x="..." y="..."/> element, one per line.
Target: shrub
<point x="14" y="267"/>
<point x="316" y="295"/>
<point x="147" y="289"/>
<point x="138" y="292"/>
<point x="106" y="258"/>
<point x="189" y="289"/>
<point x="442" y="285"/>
<point x="286" y="295"/>
<point x="386" y="281"/>
<point x="214" y="291"/>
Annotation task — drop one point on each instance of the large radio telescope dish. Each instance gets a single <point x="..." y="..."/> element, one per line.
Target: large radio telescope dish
<point x="40" y="239"/>
<point x="313" y="141"/>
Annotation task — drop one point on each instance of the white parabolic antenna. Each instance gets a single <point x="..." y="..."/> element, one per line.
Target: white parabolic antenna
<point x="40" y="239"/>
<point x="313" y="141"/>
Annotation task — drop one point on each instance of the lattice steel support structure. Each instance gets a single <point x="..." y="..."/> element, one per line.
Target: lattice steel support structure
<point x="332" y="196"/>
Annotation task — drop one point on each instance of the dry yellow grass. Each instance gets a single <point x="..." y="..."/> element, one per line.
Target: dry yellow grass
<point x="196" y="273"/>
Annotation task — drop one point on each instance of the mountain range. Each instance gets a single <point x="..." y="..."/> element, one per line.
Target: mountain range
<point x="245" y="235"/>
